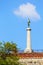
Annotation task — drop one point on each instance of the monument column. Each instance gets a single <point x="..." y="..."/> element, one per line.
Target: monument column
<point x="28" y="47"/>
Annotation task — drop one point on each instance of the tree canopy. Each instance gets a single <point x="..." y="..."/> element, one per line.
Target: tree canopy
<point x="8" y="53"/>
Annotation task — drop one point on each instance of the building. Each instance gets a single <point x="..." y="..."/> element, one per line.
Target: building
<point x="29" y="57"/>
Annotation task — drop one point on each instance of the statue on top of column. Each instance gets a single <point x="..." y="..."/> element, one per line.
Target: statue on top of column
<point x="28" y="22"/>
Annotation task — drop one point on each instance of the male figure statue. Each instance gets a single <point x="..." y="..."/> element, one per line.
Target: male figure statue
<point x="28" y="22"/>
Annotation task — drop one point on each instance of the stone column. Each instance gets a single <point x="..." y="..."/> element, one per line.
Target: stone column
<point x="28" y="47"/>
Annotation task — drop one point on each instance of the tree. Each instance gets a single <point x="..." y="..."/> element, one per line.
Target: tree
<point x="10" y="47"/>
<point x="8" y="54"/>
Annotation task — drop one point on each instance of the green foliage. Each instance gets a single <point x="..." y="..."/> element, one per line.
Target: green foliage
<point x="10" y="47"/>
<point x="8" y="54"/>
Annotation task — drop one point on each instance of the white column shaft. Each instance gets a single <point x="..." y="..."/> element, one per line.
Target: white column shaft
<point x="28" y="47"/>
<point x="28" y="39"/>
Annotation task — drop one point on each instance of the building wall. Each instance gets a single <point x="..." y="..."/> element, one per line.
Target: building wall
<point x="31" y="61"/>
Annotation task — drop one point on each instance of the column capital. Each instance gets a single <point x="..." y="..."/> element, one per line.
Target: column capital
<point x="28" y="29"/>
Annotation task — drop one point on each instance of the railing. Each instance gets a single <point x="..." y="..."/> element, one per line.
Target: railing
<point x="39" y="50"/>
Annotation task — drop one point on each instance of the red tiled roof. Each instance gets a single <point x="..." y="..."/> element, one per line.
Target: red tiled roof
<point x="30" y="55"/>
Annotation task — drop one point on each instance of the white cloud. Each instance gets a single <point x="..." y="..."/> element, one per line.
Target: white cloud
<point x="27" y="10"/>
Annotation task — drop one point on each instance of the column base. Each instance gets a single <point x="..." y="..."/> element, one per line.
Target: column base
<point x="27" y="51"/>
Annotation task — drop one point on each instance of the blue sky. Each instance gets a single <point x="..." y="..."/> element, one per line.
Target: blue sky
<point x="13" y="24"/>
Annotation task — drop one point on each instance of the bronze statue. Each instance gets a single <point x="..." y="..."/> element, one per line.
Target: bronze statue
<point x="28" y="22"/>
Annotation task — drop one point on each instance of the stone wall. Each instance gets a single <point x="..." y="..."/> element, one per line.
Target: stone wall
<point x="31" y="61"/>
